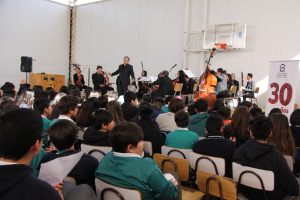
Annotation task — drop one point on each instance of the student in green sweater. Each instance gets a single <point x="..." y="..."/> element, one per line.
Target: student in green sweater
<point x="181" y="138"/>
<point x="44" y="108"/>
<point x="125" y="167"/>
<point x="198" y="121"/>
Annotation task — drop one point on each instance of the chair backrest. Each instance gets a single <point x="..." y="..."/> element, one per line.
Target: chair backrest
<point x="256" y="90"/>
<point x="171" y="164"/>
<point x="106" y="191"/>
<point x="175" y="152"/>
<point x="222" y="187"/>
<point x="233" y="89"/>
<point x="178" y="87"/>
<point x="208" y="164"/>
<point x="195" y="87"/>
<point x="97" y="152"/>
<point x="290" y="161"/>
<point x="148" y="147"/>
<point x="253" y="177"/>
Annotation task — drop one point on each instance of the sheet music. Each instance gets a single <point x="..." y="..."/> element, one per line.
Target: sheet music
<point x="153" y="78"/>
<point x="54" y="171"/>
<point x="189" y="73"/>
<point x="145" y="79"/>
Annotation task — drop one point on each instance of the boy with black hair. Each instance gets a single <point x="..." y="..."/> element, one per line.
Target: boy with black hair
<point x="99" y="133"/>
<point x="158" y="103"/>
<point x="43" y="107"/>
<point x="197" y="121"/>
<point x="215" y="144"/>
<point x="225" y="113"/>
<point x="181" y="138"/>
<point x="258" y="154"/>
<point x="149" y="127"/>
<point x="165" y="108"/>
<point x="125" y="167"/>
<point x="166" y="121"/>
<point x="20" y="142"/>
<point x="255" y="112"/>
<point x="68" y="109"/>
<point x="129" y="107"/>
<point x="63" y="135"/>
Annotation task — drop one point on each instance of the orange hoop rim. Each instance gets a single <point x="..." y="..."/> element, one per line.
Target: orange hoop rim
<point x="221" y="45"/>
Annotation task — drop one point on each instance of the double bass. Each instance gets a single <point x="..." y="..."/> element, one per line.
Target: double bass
<point x="207" y="83"/>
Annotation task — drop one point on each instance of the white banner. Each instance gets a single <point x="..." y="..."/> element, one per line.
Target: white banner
<point x="282" y="86"/>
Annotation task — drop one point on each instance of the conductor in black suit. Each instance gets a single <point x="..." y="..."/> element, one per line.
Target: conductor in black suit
<point x="125" y="71"/>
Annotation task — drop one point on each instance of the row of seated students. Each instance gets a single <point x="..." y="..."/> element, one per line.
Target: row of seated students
<point x="107" y="127"/>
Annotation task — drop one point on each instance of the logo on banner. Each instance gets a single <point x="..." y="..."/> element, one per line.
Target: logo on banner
<point x="282" y="68"/>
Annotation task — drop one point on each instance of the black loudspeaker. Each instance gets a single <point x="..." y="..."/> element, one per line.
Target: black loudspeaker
<point x="26" y="64"/>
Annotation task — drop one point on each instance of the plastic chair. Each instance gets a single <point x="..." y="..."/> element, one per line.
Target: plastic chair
<point x="106" y="191"/>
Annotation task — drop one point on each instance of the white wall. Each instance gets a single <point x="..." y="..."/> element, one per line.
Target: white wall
<point x="273" y="34"/>
<point x="152" y="32"/>
<point x="36" y="28"/>
<point x="147" y="31"/>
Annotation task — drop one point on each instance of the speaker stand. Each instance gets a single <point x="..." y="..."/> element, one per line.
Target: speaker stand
<point x="26" y="77"/>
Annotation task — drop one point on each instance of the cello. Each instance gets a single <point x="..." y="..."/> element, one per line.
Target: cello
<point x="207" y="83"/>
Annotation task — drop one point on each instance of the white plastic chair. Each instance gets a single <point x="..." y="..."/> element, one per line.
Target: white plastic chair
<point x="106" y="191"/>
<point x="208" y="164"/>
<point x="97" y="152"/>
<point x="148" y="147"/>
<point x="253" y="177"/>
<point x="176" y="152"/>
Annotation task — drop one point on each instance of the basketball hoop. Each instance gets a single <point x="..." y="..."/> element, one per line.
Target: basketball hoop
<point x="221" y="46"/>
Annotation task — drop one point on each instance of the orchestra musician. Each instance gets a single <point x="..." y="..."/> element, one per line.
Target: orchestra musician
<point x="143" y="86"/>
<point x="221" y="88"/>
<point x="163" y="86"/>
<point x="248" y="91"/>
<point x="78" y="78"/>
<point x="99" y="80"/>
<point x="125" y="70"/>
<point x="234" y="81"/>
<point x="181" y="78"/>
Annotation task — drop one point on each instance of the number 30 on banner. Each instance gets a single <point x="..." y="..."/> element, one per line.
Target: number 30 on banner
<point x="279" y="93"/>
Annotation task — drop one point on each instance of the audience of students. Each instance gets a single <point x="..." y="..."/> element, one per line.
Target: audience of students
<point x="225" y="113"/>
<point x="215" y="144"/>
<point x="125" y="166"/>
<point x="281" y="136"/>
<point x="63" y="135"/>
<point x="273" y="111"/>
<point x="129" y="107"/>
<point x="198" y="121"/>
<point x="150" y="128"/>
<point x="258" y="154"/>
<point x="166" y="121"/>
<point x="84" y="117"/>
<point x="115" y="109"/>
<point x="239" y="128"/>
<point x="20" y="142"/>
<point x="295" y="126"/>
<point x="255" y="112"/>
<point x="98" y="134"/>
<point x="68" y="109"/>
<point x="263" y="147"/>
<point x="181" y="138"/>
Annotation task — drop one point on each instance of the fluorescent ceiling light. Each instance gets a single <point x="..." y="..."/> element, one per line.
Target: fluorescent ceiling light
<point x="65" y="2"/>
<point x="75" y="2"/>
<point x="81" y="2"/>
